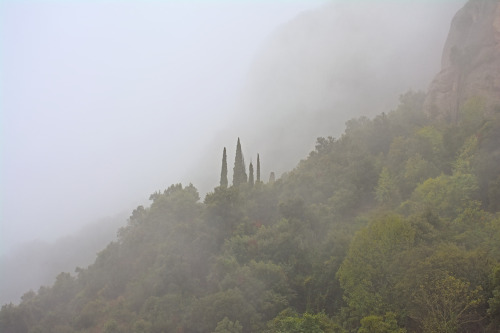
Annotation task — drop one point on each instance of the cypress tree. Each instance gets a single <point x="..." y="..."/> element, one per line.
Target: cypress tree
<point x="245" y="176"/>
<point x="258" y="168"/>
<point x="239" y="172"/>
<point x="223" y="173"/>
<point x="250" y="174"/>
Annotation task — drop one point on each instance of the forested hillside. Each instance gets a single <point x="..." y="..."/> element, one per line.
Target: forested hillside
<point x="392" y="227"/>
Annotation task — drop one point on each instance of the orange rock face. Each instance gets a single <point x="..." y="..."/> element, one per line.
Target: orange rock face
<point x="470" y="65"/>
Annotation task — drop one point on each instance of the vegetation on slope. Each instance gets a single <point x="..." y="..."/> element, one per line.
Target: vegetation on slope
<point x="393" y="227"/>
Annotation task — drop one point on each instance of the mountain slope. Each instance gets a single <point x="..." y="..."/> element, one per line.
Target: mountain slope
<point x="363" y="231"/>
<point x="392" y="227"/>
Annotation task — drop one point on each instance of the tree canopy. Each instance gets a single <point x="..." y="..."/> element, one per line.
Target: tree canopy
<point x="393" y="227"/>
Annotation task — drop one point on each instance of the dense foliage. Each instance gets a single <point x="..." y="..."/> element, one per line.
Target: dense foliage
<point x="393" y="227"/>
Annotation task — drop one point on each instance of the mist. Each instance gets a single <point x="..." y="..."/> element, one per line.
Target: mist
<point x="37" y="263"/>
<point x="376" y="193"/>
<point x="104" y="103"/>
<point x="326" y="66"/>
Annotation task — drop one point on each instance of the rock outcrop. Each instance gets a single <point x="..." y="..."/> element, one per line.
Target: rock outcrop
<point x="470" y="65"/>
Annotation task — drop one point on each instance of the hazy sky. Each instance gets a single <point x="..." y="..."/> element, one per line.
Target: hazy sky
<point x="103" y="103"/>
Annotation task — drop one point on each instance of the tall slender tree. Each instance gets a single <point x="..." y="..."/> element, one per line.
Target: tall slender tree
<point x="258" y="168"/>
<point x="239" y="170"/>
<point x="250" y="174"/>
<point x="223" y="172"/>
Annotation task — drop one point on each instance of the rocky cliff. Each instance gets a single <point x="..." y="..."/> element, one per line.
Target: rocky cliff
<point x="470" y="65"/>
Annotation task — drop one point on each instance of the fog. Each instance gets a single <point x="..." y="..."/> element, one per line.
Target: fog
<point x="38" y="262"/>
<point x="326" y="66"/>
<point x="330" y="65"/>
<point x="104" y="103"/>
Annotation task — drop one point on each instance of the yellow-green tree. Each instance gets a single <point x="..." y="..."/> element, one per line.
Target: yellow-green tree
<point x="446" y="303"/>
<point x="373" y="265"/>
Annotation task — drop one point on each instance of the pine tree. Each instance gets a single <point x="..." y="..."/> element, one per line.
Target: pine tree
<point x="239" y="170"/>
<point x="258" y="168"/>
<point x="223" y="173"/>
<point x="250" y="174"/>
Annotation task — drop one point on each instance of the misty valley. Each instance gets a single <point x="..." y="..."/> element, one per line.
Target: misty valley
<point x="391" y="227"/>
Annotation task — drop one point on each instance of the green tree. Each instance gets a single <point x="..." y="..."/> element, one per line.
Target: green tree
<point x="209" y="310"/>
<point x="417" y="170"/>
<point x="111" y="326"/>
<point x="250" y="174"/>
<point x="13" y="319"/>
<point x="289" y="321"/>
<point x="142" y="326"/>
<point x="223" y="211"/>
<point x="258" y="169"/>
<point x="446" y="304"/>
<point x="228" y="326"/>
<point x="239" y="170"/>
<point x="379" y="324"/>
<point x="386" y="191"/>
<point x="486" y="162"/>
<point x="223" y="173"/>
<point x="444" y="194"/>
<point x="494" y="301"/>
<point x="370" y="270"/>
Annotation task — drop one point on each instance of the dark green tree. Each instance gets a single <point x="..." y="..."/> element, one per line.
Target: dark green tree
<point x="250" y="174"/>
<point x="258" y="169"/>
<point x="223" y="173"/>
<point x="239" y="170"/>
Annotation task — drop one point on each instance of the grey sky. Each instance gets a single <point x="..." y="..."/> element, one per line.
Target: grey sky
<point x="103" y="103"/>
